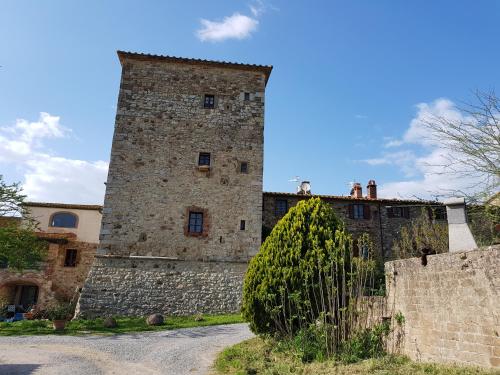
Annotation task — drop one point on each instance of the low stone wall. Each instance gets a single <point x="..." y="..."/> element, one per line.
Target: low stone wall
<point x="451" y="307"/>
<point x="137" y="287"/>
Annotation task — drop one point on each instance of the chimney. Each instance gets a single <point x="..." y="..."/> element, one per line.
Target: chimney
<point x="304" y="188"/>
<point x="356" y="191"/>
<point x="372" y="190"/>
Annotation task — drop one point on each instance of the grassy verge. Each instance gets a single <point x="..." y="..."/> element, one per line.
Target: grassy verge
<point x="257" y="356"/>
<point x="125" y="325"/>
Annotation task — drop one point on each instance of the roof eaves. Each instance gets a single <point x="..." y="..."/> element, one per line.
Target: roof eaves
<point x="266" y="69"/>
<point x="349" y="198"/>
<point x="64" y="205"/>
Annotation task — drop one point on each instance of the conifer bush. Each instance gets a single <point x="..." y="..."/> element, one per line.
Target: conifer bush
<point x="306" y="284"/>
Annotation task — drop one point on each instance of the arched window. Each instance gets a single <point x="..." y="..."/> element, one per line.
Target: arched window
<point x="63" y="220"/>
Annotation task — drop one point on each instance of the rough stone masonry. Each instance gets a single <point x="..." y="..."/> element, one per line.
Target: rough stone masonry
<point x="183" y="205"/>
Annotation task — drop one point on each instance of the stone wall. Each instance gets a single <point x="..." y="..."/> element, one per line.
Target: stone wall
<point x="140" y="286"/>
<point x="451" y="306"/>
<point x="53" y="279"/>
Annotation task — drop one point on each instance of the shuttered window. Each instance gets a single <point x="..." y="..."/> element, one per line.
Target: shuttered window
<point x="359" y="211"/>
<point x="403" y="212"/>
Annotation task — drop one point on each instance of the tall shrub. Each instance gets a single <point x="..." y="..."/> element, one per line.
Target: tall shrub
<point x="305" y="276"/>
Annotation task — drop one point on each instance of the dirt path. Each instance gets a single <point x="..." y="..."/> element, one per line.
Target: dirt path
<point x="183" y="351"/>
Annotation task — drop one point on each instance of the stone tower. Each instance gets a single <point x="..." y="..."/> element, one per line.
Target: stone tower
<point x="183" y="206"/>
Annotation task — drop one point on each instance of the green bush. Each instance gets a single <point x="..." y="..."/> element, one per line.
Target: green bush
<point x="288" y="282"/>
<point x="367" y="343"/>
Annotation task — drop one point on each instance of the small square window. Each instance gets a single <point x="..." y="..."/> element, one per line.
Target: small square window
<point x="70" y="259"/>
<point x="242" y="225"/>
<point x="209" y="101"/>
<point x="244" y="167"/>
<point x="358" y="211"/>
<point x="281" y="207"/>
<point x="247" y="96"/>
<point x="204" y="158"/>
<point x="195" y="222"/>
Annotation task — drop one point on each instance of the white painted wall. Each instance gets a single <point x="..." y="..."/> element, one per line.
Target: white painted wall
<point x="88" y="226"/>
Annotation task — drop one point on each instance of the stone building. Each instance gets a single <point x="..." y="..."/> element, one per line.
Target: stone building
<point x="381" y="218"/>
<point x="183" y="206"/>
<point x="184" y="210"/>
<point x="72" y="233"/>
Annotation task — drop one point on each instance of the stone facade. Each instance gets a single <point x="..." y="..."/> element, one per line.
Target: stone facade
<point x="375" y="220"/>
<point x="171" y="113"/>
<point x="56" y="279"/>
<point x="450" y="306"/>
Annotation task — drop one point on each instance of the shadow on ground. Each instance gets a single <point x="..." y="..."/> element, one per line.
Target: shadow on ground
<point x="25" y="369"/>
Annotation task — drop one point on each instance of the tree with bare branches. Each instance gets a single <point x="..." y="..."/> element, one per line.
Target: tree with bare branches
<point x="472" y="142"/>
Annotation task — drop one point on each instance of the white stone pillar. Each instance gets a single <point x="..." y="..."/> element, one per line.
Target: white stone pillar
<point x="459" y="234"/>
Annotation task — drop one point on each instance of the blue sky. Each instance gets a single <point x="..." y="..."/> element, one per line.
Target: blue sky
<point x="350" y="82"/>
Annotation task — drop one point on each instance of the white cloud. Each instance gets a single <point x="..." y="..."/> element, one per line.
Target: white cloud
<point x="237" y="26"/>
<point x="49" y="177"/>
<point x="422" y="159"/>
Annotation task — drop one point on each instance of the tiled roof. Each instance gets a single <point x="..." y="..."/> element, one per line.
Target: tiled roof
<point x="266" y="69"/>
<point x="349" y="198"/>
<point x="65" y="205"/>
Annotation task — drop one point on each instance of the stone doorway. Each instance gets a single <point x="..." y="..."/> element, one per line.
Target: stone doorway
<point x="22" y="296"/>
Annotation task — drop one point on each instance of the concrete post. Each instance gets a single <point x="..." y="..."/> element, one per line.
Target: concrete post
<point x="459" y="234"/>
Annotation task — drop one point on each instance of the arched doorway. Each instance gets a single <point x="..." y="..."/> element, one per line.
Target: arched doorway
<point x="23" y="295"/>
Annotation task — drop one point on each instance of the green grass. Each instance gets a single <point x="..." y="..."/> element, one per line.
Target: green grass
<point x="258" y="356"/>
<point x="125" y="325"/>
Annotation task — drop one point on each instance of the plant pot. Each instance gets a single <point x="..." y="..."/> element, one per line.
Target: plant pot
<point x="59" y="325"/>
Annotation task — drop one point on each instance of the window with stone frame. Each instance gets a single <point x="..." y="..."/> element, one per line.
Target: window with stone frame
<point x="359" y="211"/>
<point x="195" y="222"/>
<point x="204" y="159"/>
<point x="70" y="258"/>
<point x="209" y="101"/>
<point x="281" y="207"/>
<point x="247" y="96"/>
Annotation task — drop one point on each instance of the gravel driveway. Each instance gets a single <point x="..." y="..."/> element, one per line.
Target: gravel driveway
<point x="182" y="351"/>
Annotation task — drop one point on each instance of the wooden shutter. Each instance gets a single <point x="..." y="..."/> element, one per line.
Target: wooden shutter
<point x="366" y="211"/>
<point x="390" y="212"/>
<point x="350" y="211"/>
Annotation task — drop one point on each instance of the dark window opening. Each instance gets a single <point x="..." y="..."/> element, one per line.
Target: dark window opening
<point x="244" y="167"/>
<point x="63" y="220"/>
<point x="281" y="207"/>
<point x="70" y="259"/>
<point x="204" y="158"/>
<point x="247" y="96"/>
<point x="398" y="212"/>
<point x="195" y="222"/>
<point x="209" y="101"/>
<point x="242" y="224"/>
<point x="440" y="213"/>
